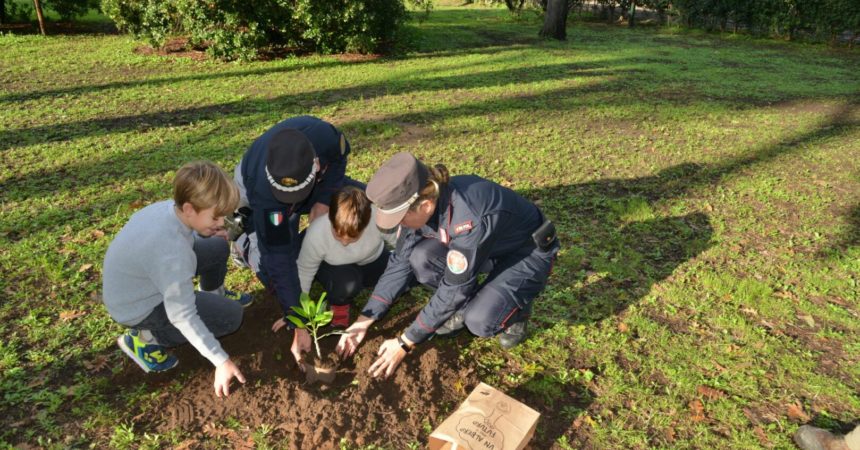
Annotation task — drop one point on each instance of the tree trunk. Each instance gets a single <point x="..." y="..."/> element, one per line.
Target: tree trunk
<point x="631" y="18"/>
<point x="2" y="11"/>
<point x="40" y="16"/>
<point x="555" y="20"/>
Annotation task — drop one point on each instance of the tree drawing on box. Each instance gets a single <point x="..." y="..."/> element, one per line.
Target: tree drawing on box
<point x="478" y="431"/>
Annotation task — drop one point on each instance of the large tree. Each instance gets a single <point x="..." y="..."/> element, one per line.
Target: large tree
<point x="555" y="20"/>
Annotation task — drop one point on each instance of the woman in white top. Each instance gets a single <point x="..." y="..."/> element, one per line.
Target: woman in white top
<point x="342" y="252"/>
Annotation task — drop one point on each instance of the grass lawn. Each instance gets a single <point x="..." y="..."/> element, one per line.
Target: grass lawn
<point x="706" y="189"/>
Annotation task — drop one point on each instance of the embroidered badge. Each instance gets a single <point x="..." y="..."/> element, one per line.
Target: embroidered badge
<point x="342" y="144"/>
<point x="463" y="227"/>
<point x="288" y="182"/>
<point x="457" y="262"/>
<point x="276" y="217"/>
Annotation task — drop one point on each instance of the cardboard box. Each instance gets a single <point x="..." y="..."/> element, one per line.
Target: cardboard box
<point x="487" y="420"/>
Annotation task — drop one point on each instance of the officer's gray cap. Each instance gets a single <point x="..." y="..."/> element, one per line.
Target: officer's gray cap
<point x="394" y="188"/>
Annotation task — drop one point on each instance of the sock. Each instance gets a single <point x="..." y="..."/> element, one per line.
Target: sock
<point x="218" y="291"/>
<point x="147" y="337"/>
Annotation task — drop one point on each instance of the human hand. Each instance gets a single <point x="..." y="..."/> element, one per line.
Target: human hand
<point x="390" y="355"/>
<point x="319" y="209"/>
<point x="223" y="375"/>
<point x="301" y="344"/>
<point x="221" y="233"/>
<point x="280" y="323"/>
<point x="352" y="336"/>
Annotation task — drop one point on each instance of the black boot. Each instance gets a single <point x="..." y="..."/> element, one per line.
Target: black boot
<point x="513" y="334"/>
<point x="453" y="326"/>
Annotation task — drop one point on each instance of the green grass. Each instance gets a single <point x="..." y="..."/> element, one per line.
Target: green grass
<point x="706" y="191"/>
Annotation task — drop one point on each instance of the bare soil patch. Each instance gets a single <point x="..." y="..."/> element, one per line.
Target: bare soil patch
<point x="175" y="47"/>
<point x="429" y="384"/>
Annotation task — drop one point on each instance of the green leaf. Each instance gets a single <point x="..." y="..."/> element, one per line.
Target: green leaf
<point x="295" y="320"/>
<point x="308" y="307"/>
<point x="324" y="318"/>
<point x="321" y="304"/>
<point x="300" y="312"/>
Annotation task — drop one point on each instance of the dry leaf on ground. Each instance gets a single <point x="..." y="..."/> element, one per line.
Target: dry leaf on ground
<point x="710" y="393"/>
<point x="762" y="438"/>
<point x="795" y="412"/>
<point x="68" y="315"/>
<point x="697" y="410"/>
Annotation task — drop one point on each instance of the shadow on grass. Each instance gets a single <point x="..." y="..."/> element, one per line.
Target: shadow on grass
<point x="157" y="82"/>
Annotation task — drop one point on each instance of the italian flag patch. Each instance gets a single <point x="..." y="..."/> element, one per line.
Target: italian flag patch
<point x="276" y="218"/>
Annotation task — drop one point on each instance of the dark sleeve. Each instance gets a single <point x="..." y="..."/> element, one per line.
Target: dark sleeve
<point x="333" y="160"/>
<point x="466" y="253"/>
<point x="279" y="249"/>
<point x="396" y="278"/>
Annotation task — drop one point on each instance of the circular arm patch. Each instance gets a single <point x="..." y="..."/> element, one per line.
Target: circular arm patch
<point x="457" y="262"/>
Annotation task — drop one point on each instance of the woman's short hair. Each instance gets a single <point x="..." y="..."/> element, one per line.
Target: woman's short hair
<point x="349" y="212"/>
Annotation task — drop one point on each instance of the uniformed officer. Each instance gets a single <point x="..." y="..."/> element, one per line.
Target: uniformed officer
<point x="292" y="169"/>
<point x="450" y="231"/>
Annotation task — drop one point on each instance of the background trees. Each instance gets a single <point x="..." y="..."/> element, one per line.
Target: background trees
<point x="790" y="19"/>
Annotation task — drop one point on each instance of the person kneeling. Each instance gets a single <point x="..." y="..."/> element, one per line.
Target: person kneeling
<point x="149" y="269"/>
<point x="343" y="253"/>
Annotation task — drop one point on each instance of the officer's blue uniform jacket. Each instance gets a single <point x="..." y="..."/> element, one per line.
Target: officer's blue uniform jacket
<point x="473" y="216"/>
<point x="276" y="223"/>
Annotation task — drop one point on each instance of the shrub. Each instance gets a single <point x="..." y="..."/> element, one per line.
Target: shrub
<point x="71" y="9"/>
<point x="236" y="29"/>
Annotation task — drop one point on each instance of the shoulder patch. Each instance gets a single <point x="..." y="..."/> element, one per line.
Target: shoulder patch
<point x="463" y="227"/>
<point x="276" y="218"/>
<point x="342" y="144"/>
<point x="457" y="262"/>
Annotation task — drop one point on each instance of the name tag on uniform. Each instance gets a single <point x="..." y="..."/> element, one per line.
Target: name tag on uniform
<point x="463" y="227"/>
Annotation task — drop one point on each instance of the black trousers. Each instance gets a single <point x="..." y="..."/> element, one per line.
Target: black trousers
<point x="343" y="283"/>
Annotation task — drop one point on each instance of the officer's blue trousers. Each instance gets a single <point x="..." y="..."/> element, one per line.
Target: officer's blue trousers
<point x="506" y="294"/>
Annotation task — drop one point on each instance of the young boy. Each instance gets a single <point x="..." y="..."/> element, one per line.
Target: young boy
<point x="149" y="269"/>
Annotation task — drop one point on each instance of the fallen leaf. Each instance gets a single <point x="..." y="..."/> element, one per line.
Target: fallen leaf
<point x="669" y="434"/>
<point x="622" y="327"/>
<point x="68" y="315"/>
<point x="751" y="416"/>
<point x="750" y="311"/>
<point x="96" y="364"/>
<point x="98" y="234"/>
<point x="807" y="319"/>
<point x="710" y="393"/>
<point x="795" y="412"/>
<point x="762" y="438"/>
<point x="136" y="204"/>
<point x="85" y="267"/>
<point x="697" y="410"/>
<point x="187" y="444"/>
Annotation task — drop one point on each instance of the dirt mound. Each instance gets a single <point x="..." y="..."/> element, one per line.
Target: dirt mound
<point x="399" y="411"/>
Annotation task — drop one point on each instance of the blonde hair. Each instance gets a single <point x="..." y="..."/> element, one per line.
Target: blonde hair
<point x="349" y="212"/>
<point x="204" y="185"/>
<point x="437" y="180"/>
